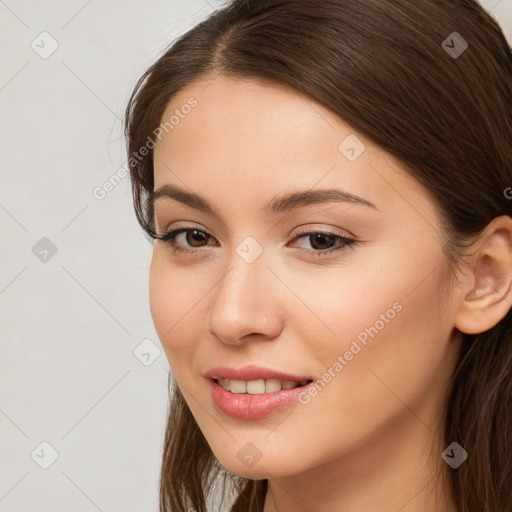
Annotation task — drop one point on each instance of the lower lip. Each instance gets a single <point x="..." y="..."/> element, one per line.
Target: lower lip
<point x="252" y="407"/>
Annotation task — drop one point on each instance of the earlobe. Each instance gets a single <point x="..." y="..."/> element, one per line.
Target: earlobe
<point x="489" y="277"/>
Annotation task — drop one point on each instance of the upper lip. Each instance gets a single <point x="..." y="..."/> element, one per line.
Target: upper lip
<point x="252" y="372"/>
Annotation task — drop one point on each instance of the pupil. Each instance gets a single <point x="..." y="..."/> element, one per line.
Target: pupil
<point x="196" y="236"/>
<point x="329" y="238"/>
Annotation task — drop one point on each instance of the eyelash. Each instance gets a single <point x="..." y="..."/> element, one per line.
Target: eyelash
<point x="170" y="236"/>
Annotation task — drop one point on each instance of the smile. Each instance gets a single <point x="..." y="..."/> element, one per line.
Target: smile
<point x="250" y="400"/>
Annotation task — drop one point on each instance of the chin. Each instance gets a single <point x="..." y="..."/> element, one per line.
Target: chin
<point x="259" y="471"/>
<point x="256" y="460"/>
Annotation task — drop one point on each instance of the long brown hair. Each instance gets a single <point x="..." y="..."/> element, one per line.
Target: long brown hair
<point x="429" y="81"/>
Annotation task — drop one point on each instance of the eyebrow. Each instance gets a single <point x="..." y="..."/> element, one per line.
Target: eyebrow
<point x="285" y="203"/>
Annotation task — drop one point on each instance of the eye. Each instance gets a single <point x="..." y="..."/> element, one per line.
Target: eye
<point x="195" y="239"/>
<point x="319" y="239"/>
<point x="192" y="235"/>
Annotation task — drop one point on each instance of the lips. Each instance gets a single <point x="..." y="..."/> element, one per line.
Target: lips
<point x="248" y="406"/>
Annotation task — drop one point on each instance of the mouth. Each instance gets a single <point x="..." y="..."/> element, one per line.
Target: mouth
<point x="254" y="392"/>
<point x="259" y="386"/>
<point x="255" y="399"/>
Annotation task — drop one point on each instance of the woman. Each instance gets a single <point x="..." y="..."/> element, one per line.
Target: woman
<point x="328" y="184"/>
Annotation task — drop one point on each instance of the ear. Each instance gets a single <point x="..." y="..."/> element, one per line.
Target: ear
<point x="487" y="284"/>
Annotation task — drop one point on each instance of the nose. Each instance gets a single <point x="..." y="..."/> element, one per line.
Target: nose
<point x="245" y="303"/>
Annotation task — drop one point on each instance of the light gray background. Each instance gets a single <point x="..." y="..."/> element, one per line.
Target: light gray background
<point x="69" y="323"/>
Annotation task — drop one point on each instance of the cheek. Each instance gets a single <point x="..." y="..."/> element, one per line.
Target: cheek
<point x="390" y="348"/>
<point x="171" y="304"/>
<point x="396" y="376"/>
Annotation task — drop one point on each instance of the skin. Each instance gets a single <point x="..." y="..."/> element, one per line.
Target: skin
<point x="371" y="439"/>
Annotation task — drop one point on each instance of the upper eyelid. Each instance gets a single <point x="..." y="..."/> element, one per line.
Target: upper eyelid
<point x="303" y="229"/>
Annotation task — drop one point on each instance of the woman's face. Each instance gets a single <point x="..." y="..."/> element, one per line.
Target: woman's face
<point x="273" y="283"/>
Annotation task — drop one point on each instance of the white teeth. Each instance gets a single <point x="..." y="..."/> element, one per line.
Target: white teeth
<point x="238" y="386"/>
<point x="258" y="387"/>
<point x="224" y="383"/>
<point x="272" y="385"/>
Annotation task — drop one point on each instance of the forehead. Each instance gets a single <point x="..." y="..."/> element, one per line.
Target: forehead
<point x="255" y="114"/>
<point x="260" y="137"/>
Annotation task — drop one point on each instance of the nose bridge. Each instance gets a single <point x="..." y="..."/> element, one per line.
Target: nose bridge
<point x="242" y="301"/>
